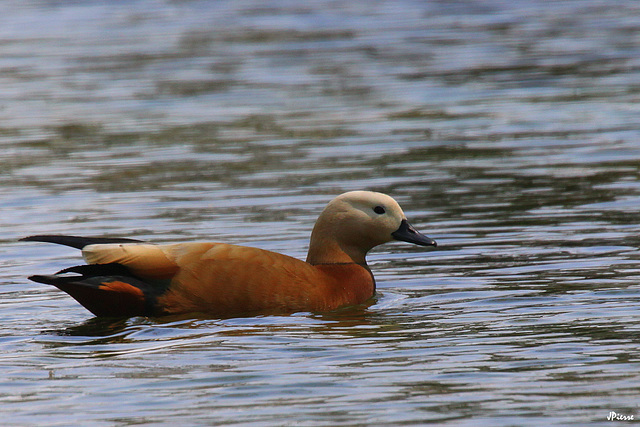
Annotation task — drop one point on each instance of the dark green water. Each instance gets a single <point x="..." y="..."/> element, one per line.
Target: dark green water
<point x="508" y="131"/>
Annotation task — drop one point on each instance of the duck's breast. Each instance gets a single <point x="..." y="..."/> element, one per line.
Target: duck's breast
<point x="349" y="284"/>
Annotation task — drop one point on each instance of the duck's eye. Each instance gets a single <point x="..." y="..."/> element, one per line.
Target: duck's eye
<point x="379" y="210"/>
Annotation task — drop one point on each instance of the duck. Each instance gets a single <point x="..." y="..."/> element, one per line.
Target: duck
<point x="126" y="277"/>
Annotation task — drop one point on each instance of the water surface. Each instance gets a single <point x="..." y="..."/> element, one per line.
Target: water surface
<point x="508" y="131"/>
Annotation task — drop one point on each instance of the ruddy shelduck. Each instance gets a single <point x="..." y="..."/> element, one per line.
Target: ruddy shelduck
<point x="126" y="277"/>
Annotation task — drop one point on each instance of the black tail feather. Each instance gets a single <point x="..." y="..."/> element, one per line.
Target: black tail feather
<point x="90" y="286"/>
<point x="77" y="241"/>
<point x="89" y="270"/>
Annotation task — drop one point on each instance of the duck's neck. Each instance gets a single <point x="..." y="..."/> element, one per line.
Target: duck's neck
<point x="326" y="250"/>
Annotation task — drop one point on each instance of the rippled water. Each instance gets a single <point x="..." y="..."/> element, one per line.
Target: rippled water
<point x="508" y="131"/>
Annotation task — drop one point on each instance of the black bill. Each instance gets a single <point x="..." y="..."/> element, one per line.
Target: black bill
<point x="407" y="233"/>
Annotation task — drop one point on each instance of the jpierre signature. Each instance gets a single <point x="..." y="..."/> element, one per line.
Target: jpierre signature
<point x="614" y="416"/>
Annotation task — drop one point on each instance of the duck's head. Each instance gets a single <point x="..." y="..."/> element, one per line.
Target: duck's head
<point x="355" y="222"/>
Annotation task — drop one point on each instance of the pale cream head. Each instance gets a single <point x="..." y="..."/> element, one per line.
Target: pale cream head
<point x="355" y="222"/>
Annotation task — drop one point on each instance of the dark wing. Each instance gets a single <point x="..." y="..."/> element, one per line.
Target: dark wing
<point x="77" y="241"/>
